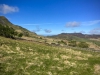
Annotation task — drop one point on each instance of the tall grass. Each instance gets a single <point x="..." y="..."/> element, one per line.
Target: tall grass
<point x="28" y="58"/>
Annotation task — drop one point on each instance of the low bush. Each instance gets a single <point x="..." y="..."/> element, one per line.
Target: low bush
<point x="83" y="45"/>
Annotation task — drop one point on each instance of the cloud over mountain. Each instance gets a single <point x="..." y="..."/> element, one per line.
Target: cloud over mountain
<point x="47" y="31"/>
<point x="73" y="24"/>
<point x="5" y="9"/>
<point x="95" y="31"/>
<point x="38" y="29"/>
<point x="82" y="31"/>
<point x="89" y="23"/>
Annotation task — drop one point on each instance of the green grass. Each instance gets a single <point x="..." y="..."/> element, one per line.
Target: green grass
<point x="28" y="58"/>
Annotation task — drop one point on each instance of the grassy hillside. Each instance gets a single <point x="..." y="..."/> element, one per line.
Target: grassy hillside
<point x="78" y="37"/>
<point x="29" y="58"/>
<point x="41" y="56"/>
<point x="5" y="21"/>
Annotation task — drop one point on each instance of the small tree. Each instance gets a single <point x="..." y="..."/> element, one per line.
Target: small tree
<point x="83" y="45"/>
<point x="20" y="35"/>
<point x="62" y="42"/>
<point x="72" y="43"/>
<point x="40" y="37"/>
<point x="7" y="31"/>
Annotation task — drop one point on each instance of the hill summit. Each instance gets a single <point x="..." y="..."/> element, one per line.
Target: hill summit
<point x="5" y="22"/>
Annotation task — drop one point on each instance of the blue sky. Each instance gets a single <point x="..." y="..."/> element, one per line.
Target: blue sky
<point x="50" y="17"/>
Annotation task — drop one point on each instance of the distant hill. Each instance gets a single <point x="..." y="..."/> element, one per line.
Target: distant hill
<point x="6" y="22"/>
<point x="72" y="35"/>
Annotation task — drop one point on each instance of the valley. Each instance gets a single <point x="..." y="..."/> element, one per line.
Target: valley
<point x="64" y="54"/>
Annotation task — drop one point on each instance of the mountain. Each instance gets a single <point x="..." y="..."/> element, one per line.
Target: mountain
<point x="72" y="35"/>
<point x="6" y="22"/>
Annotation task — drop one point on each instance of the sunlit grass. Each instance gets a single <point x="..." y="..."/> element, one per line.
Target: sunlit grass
<point x="28" y="58"/>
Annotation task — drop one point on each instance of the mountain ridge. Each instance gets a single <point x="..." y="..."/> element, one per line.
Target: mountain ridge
<point x="80" y="35"/>
<point x="6" y="22"/>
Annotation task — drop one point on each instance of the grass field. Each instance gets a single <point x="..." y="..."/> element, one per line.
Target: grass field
<point x="28" y="58"/>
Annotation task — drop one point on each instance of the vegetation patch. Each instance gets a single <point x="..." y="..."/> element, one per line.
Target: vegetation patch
<point x="28" y="58"/>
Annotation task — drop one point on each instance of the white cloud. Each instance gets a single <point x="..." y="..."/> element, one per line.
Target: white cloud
<point x="82" y="31"/>
<point x="73" y="24"/>
<point x="47" y="31"/>
<point x="8" y="9"/>
<point x="36" y="24"/>
<point x="38" y="29"/>
<point x="86" y="23"/>
<point x="95" y="31"/>
<point x="30" y="24"/>
<point x="91" y="22"/>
